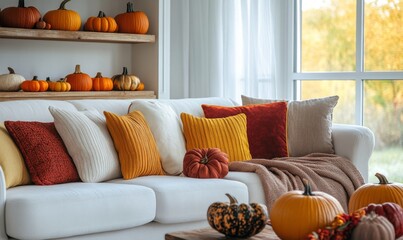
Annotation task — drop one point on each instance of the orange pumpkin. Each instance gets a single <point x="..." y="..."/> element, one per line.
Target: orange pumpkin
<point x="205" y="163"/>
<point x="381" y="192"/>
<point x="60" y="86"/>
<point x="35" y="85"/>
<point x="140" y="87"/>
<point x="132" y="21"/>
<point x="100" y="83"/>
<point x="42" y="25"/>
<point x="295" y="214"/>
<point x="79" y="81"/>
<point x="63" y="19"/>
<point x="19" y="17"/>
<point x="101" y="23"/>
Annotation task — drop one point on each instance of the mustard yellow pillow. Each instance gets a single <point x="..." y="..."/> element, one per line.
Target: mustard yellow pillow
<point x="135" y="144"/>
<point x="11" y="161"/>
<point x="228" y="134"/>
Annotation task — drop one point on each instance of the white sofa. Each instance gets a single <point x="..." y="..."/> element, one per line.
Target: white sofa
<point x="141" y="208"/>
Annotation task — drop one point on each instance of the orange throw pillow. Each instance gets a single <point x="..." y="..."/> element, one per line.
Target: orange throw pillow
<point x="266" y="126"/>
<point x="135" y="144"/>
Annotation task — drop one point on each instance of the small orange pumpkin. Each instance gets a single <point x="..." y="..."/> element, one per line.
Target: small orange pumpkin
<point x="140" y="87"/>
<point x="59" y="86"/>
<point x="205" y="163"/>
<point x="19" y="17"/>
<point x="381" y="192"/>
<point x="101" y="23"/>
<point x="63" y="19"/>
<point x="42" y="25"/>
<point x="100" y="83"/>
<point x="79" y="81"/>
<point x="132" y="21"/>
<point x="295" y="214"/>
<point x="35" y="85"/>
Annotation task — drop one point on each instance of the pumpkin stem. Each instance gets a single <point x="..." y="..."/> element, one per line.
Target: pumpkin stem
<point x="21" y="3"/>
<point x="307" y="188"/>
<point x="382" y="178"/>
<point x="99" y="75"/>
<point x="35" y="78"/>
<point x="129" y="7"/>
<point x="47" y="79"/>
<point x="232" y="200"/>
<point x="62" y="5"/>
<point x="124" y="71"/>
<point x="11" y="70"/>
<point x="204" y="160"/>
<point x="78" y="69"/>
<point x="101" y="14"/>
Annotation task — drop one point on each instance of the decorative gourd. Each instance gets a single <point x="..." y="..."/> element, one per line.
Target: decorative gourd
<point x="60" y="86"/>
<point x="101" y="23"/>
<point x="42" y="25"/>
<point x="373" y="227"/>
<point x="11" y="82"/>
<point x="205" y="163"/>
<point x="295" y="214"/>
<point x="100" y="83"/>
<point x="63" y="19"/>
<point x="140" y="87"/>
<point x="237" y="220"/>
<point x="381" y="192"/>
<point x="132" y="21"/>
<point x="35" y="85"/>
<point x="19" y="17"/>
<point x="392" y="211"/>
<point x="125" y="82"/>
<point x="79" y="81"/>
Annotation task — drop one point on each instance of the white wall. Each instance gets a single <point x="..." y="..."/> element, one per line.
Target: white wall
<point x="58" y="58"/>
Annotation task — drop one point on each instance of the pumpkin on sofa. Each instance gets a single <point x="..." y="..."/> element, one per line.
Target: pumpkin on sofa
<point x="237" y="220"/>
<point x="63" y="19"/>
<point x="373" y="227"/>
<point x="205" y="163"/>
<point x="125" y="81"/>
<point x="392" y="211"/>
<point x="381" y="192"/>
<point x="101" y="23"/>
<point x="132" y="21"/>
<point x="79" y="81"/>
<point x="19" y="17"/>
<point x="292" y="221"/>
<point x="11" y="82"/>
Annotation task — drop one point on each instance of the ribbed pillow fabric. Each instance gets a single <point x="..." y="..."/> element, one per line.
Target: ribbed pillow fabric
<point x="135" y="144"/>
<point x="228" y="134"/>
<point x="89" y="144"/>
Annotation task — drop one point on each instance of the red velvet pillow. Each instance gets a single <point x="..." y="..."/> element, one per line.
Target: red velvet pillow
<point x="44" y="152"/>
<point x="266" y="126"/>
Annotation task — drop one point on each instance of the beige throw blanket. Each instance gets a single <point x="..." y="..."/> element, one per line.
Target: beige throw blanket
<point x="328" y="173"/>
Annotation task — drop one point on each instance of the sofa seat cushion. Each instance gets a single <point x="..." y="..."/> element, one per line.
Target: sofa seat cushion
<point x="64" y="210"/>
<point x="183" y="199"/>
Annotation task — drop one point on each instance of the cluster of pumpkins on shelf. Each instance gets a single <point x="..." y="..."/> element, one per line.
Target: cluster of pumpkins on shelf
<point x="77" y="81"/>
<point x="375" y="212"/>
<point x="69" y="20"/>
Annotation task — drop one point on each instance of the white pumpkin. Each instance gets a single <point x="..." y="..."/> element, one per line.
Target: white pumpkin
<point x="11" y="82"/>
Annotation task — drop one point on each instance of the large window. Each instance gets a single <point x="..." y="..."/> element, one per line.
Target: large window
<point x="354" y="49"/>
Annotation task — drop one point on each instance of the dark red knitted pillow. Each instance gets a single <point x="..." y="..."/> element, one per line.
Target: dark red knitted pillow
<point x="266" y="126"/>
<point x="44" y="152"/>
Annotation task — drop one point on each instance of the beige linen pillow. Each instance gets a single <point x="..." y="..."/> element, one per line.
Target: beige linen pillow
<point x="309" y="124"/>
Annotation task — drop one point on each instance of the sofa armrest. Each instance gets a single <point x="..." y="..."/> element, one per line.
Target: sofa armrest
<point x="3" y="235"/>
<point x="355" y="143"/>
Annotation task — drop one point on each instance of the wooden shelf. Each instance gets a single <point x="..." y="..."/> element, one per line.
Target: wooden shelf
<point x="81" y="36"/>
<point x="72" y="95"/>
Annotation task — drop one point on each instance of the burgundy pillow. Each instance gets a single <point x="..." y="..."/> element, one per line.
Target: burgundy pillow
<point x="44" y="152"/>
<point x="266" y="126"/>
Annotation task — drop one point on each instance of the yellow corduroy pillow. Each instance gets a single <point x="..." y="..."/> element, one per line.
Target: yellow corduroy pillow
<point x="228" y="134"/>
<point x="11" y="161"/>
<point x="135" y="144"/>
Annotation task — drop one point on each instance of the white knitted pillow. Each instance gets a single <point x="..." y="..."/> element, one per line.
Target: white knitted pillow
<point x="89" y="144"/>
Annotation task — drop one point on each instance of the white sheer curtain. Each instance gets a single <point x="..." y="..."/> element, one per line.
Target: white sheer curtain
<point x="222" y="48"/>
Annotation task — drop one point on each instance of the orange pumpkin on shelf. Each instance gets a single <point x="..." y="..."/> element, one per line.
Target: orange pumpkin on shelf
<point x="140" y="87"/>
<point x="34" y="85"/>
<point x="101" y="23"/>
<point x="100" y="83"/>
<point x="63" y="19"/>
<point x="79" y="81"/>
<point x="42" y="25"/>
<point x="59" y="86"/>
<point x="132" y="21"/>
<point x="19" y="17"/>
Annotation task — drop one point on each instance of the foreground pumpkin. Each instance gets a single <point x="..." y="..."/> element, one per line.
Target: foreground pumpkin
<point x="132" y="21"/>
<point x="19" y="17"/>
<point x="100" y="83"/>
<point x="381" y="192"/>
<point x="125" y="82"/>
<point x="373" y="227"/>
<point x="101" y="23"/>
<point x="392" y="211"/>
<point x="11" y="82"/>
<point x="237" y="220"/>
<point x="63" y="19"/>
<point x="79" y="81"/>
<point x="205" y="163"/>
<point x="295" y="214"/>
